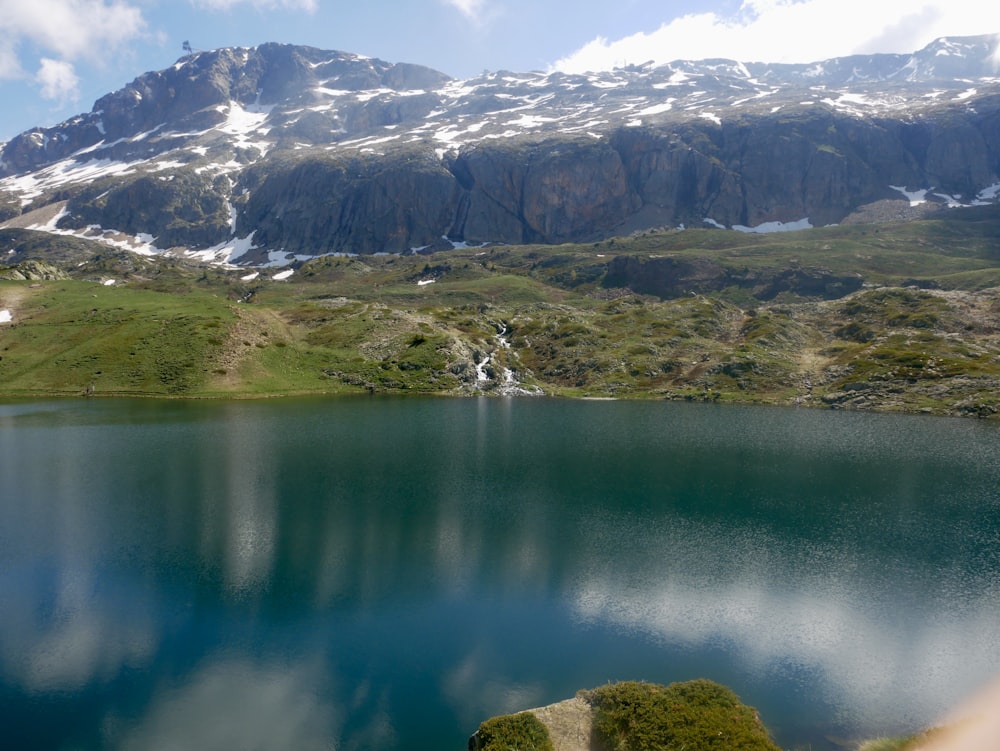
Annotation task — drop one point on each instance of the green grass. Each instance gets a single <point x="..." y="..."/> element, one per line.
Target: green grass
<point x="515" y="732"/>
<point x="364" y="323"/>
<point x="78" y="337"/>
<point x="694" y="716"/>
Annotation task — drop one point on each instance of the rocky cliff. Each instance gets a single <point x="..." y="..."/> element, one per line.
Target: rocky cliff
<point x="256" y="154"/>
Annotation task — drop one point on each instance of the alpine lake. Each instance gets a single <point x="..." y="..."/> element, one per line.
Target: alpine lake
<point x="386" y="573"/>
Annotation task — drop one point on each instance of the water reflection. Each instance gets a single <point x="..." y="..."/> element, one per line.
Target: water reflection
<point x="55" y="636"/>
<point x="880" y="651"/>
<point x="476" y="689"/>
<point x="234" y="704"/>
<point x="387" y="574"/>
<point x="239" y="510"/>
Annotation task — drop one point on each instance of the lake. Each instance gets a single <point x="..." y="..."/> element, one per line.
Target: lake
<point x="378" y="573"/>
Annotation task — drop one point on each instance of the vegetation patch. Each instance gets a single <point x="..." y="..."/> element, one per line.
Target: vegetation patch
<point x="695" y="716"/>
<point x="513" y="732"/>
<point x="922" y="334"/>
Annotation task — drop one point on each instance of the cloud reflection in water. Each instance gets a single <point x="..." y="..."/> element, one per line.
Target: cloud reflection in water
<point x="774" y="605"/>
<point x="235" y="704"/>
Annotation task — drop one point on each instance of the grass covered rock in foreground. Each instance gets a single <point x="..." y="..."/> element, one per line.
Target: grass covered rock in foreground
<point x="695" y="715"/>
<point x="521" y="731"/>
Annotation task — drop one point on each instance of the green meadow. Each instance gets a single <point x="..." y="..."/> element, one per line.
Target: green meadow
<point x="919" y="332"/>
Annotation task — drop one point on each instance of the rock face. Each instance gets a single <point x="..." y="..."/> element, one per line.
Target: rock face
<point x="354" y="205"/>
<point x="33" y="270"/>
<point x="307" y="151"/>
<point x="570" y="725"/>
<point x="559" y="190"/>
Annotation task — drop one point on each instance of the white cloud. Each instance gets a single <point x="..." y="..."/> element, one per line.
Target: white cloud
<point x="793" y="31"/>
<point x="307" y="5"/>
<point x="58" y="80"/>
<point x="61" y="32"/>
<point x="471" y="9"/>
<point x="10" y="66"/>
<point x="70" y="29"/>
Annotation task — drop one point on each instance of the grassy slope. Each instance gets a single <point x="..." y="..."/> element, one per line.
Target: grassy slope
<point x="365" y="323"/>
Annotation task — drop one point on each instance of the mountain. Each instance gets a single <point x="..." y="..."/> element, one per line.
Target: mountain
<point x="280" y="153"/>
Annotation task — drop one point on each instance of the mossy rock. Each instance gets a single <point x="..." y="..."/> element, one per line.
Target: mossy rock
<point x="695" y="716"/>
<point x="512" y="732"/>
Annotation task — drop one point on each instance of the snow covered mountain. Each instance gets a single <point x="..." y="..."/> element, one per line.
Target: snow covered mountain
<point x="267" y="154"/>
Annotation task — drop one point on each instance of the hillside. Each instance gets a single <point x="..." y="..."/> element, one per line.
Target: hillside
<point x="899" y="316"/>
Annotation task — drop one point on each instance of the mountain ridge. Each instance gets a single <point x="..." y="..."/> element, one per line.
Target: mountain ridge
<point x="278" y="153"/>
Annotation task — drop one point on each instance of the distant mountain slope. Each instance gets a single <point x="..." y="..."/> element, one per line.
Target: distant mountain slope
<point x="267" y="154"/>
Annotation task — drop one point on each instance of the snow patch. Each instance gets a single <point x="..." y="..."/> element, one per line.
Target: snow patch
<point x="769" y="227"/>
<point x="61" y="173"/>
<point x="250" y="277"/>
<point x="169" y="164"/>
<point x="991" y="193"/>
<point x="243" y="122"/>
<point x="109" y="282"/>
<point x="225" y="252"/>
<point x="531" y="121"/>
<point x="425" y="282"/>
<point x="5" y="316"/>
<point x="712" y="223"/>
<point x="656" y="109"/>
<point x="282" y="275"/>
<point x="710" y="116"/>
<point x="462" y="244"/>
<point x="952" y="202"/>
<point x="332" y="92"/>
<point x="278" y="258"/>
<point x="915" y="197"/>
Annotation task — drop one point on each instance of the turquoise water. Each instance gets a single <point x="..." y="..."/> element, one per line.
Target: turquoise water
<point x="387" y="573"/>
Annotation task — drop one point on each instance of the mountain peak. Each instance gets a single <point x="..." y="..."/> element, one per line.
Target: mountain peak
<point x="406" y="154"/>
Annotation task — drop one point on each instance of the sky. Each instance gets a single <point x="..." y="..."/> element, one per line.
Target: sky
<point x="58" y="56"/>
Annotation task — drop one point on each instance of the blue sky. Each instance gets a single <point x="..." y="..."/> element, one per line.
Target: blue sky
<point x="58" y="56"/>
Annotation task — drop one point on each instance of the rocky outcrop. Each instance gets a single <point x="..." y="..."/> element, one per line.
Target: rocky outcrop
<point x="670" y="277"/>
<point x="567" y="189"/>
<point x="570" y="725"/>
<point x="559" y="190"/>
<point x="358" y="205"/>
<point x="33" y="270"/>
<point x="189" y="209"/>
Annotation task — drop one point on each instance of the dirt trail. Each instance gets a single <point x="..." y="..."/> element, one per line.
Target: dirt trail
<point x="253" y="328"/>
<point x="11" y="298"/>
<point x="811" y="364"/>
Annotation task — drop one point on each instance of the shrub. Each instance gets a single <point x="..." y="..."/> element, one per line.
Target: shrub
<point x="513" y="732"/>
<point x="695" y="716"/>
